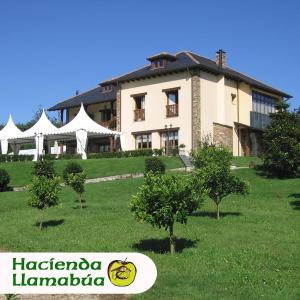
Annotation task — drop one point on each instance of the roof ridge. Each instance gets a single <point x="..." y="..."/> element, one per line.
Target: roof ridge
<point x="192" y="53"/>
<point x="245" y="74"/>
<point x="128" y="73"/>
<point x="70" y="98"/>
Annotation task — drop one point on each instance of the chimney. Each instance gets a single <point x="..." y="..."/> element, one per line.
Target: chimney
<point x="221" y="58"/>
<point x="77" y="92"/>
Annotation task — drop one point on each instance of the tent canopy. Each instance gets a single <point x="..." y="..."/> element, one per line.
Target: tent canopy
<point x="9" y="130"/>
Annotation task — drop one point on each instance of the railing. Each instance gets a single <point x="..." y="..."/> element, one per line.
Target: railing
<point x="172" y="110"/>
<point x="139" y="114"/>
<point x="111" y="124"/>
<point x="258" y="120"/>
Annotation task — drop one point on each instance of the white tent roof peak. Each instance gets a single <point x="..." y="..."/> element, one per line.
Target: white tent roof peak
<point x="10" y="129"/>
<point x="42" y="126"/>
<point x="83" y="122"/>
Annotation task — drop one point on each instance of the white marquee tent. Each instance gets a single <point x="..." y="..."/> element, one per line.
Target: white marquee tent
<point x="8" y="131"/>
<point x="82" y="127"/>
<point x="35" y="134"/>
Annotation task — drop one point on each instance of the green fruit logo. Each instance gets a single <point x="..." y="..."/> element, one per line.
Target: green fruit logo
<point x="121" y="273"/>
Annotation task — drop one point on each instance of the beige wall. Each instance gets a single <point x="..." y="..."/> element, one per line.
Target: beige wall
<point x="155" y="108"/>
<point x="92" y="109"/>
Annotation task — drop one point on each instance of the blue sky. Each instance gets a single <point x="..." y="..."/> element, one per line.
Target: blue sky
<point x="48" y="49"/>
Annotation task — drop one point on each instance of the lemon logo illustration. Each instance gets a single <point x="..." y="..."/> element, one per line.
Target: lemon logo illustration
<point x="121" y="273"/>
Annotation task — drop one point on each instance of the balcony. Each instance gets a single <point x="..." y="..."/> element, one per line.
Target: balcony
<point x="172" y="110"/>
<point x="139" y="115"/>
<point x="110" y="124"/>
<point x="258" y="120"/>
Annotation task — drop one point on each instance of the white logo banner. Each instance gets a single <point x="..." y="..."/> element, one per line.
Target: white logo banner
<point x="76" y="273"/>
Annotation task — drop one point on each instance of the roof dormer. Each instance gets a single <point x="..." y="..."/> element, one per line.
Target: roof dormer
<point x="107" y="88"/>
<point x="161" y="60"/>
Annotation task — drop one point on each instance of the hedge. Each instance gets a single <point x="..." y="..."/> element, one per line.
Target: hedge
<point x="12" y="158"/>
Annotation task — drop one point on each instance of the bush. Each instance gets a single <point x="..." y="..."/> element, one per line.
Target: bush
<point x="4" y="180"/>
<point x="281" y="148"/>
<point x="13" y="158"/>
<point x="155" y="165"/>
<point x="44" y="168"/>
<point x="71" y="168"/>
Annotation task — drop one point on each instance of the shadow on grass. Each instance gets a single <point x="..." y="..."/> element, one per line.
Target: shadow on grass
<point x="51" y="223"/>
<point x="213" y="215"/>
<point x="7" y="189"/>
<point x="78" y="207"/>
<point x="163" y="245"/>
<point x="295" y="204"/>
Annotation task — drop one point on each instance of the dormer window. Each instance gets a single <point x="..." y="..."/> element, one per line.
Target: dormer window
<point x="107" y="88"/>
<point x="161" y="60"/>
<point x="159" y="63"/>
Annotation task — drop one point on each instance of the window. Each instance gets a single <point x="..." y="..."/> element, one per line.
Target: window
<point x="139" y="112"/>
<point x="172" y="105"/>
<point x="169" y="140"/>
<point x="143" y="141"/>
<point x="262" y="103"/>
<point x="107" y="88"/>
<point x="158" y="63"/>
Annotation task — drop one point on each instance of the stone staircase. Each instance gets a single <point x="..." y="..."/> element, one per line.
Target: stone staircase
<point x="186" y="161"/>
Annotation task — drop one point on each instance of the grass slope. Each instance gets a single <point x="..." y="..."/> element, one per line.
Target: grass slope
<point x="20" y="172"/>
<point x="252" y="252"/>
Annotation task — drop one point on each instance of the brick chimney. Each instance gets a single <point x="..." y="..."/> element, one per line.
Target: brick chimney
<point x="221" y="58"/>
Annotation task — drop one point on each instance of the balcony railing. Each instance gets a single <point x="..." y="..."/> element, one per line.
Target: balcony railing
<point x="139" y="114"/>
<point x="172" y="110"/>
<point x="111" y="124"/>
<point x="258" y="120"/>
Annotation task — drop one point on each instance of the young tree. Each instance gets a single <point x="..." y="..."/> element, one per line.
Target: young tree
<point x="43" y="193"/>
<point x="76" y="182"/>
<point x="281" y="143"/>
<point x="165" y="199"/>
<point x="220" y="182"/>
<point x="212" y="165"/>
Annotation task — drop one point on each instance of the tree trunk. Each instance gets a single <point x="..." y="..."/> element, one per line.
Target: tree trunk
<point x="41" y="221"/>
<point x="80" y="200"/>
<point x="172" y="241"/>
<point x="218" y="212"/>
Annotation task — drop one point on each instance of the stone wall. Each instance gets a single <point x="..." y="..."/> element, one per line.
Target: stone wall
<point x="118" y="109"/>
<point x="223" y="135"/>
<point x="196" y="110"/>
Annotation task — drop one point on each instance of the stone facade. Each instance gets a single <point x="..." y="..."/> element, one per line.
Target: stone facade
<point x="223" y="135"/>
<point x="196" y="110"/>
<point x="118" y="109"/>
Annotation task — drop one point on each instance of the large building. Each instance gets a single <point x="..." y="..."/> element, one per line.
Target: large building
<point x="177" y="100"/>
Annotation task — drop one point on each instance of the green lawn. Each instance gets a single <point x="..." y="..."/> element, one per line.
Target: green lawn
<point x="252" y="252"/>
<point x="20" y="172"/>
<point x="242" y="161"/>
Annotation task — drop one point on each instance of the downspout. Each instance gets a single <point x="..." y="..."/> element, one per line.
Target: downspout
<point x="238" y="113"/>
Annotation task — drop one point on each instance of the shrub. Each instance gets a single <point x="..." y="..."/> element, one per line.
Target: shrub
<point x="155" y="165"/>
<point x="44" y="168"/>
<point x="4" y="180"/>
<point x="71" y="168"/>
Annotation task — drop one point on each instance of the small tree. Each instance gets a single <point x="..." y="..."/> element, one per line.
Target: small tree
<point x="43" y="193"/>
<point x="44" y="167"/>
<point x="220" y="182"/>
<point x="71" y="168"/>
<point x="281" y="143"/>
<point x="165" y="199"/>
<point x="212" y="165"/>
<point x="76" y="182"/>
